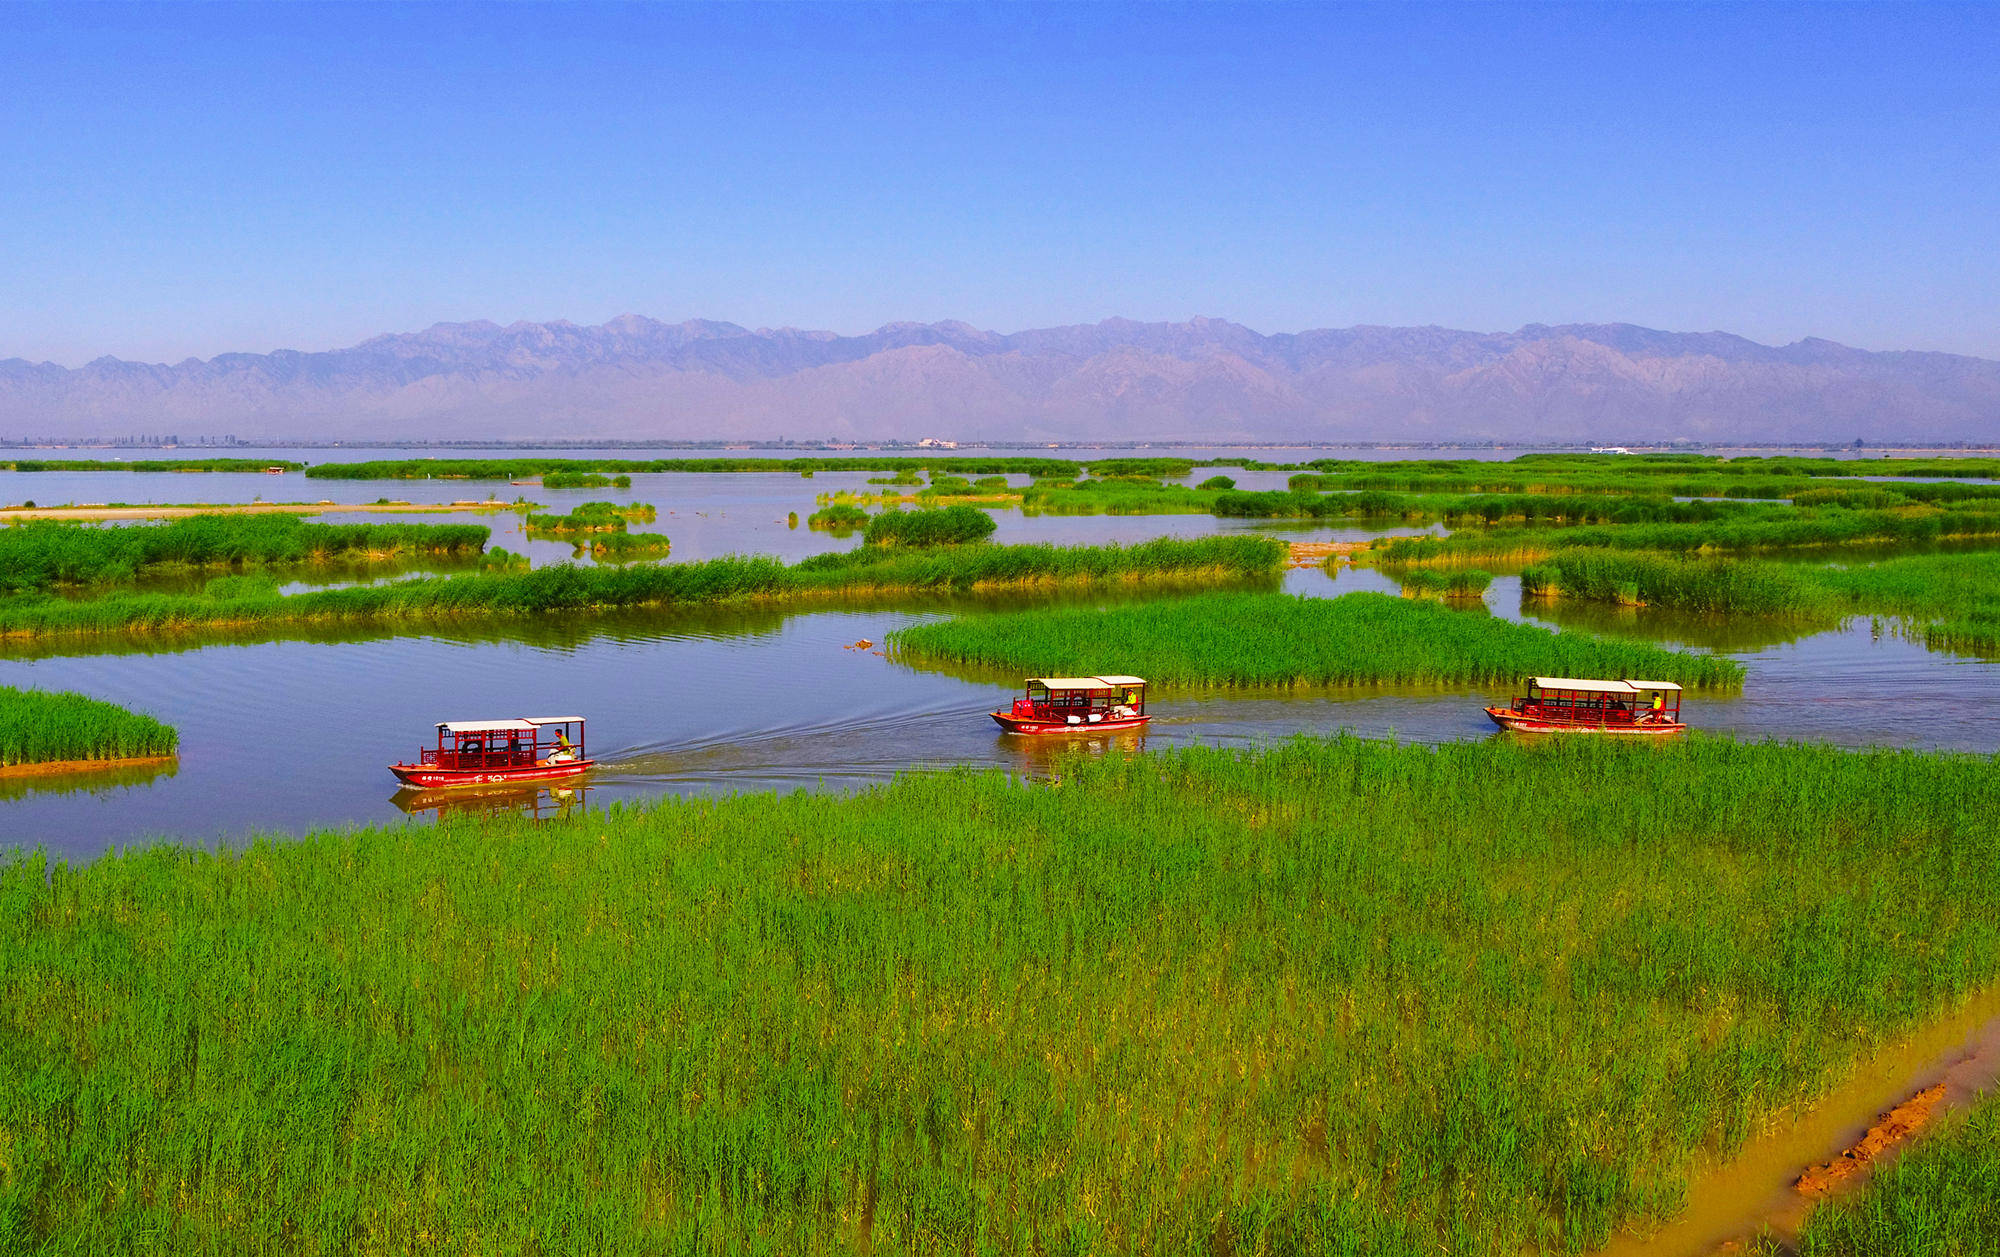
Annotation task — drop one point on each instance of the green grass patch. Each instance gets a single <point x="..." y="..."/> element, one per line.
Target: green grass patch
<point x="1719" y="585"/>
<point x="1464" y="582"/>
<point x="39" y="555"/>
<point x="1331" y="997"/>
<point x="147" y="464"/>
<point x="1256" y="639"/>
<point x="565" y="588"/>
<point x="1792" y="529"/>
<point x="942" y="526"/>
<point x="839" y="518"/>
<point x="41" y="726"/>
<point x="627" y="547"/>
<point x="584" y="480"/>
<point x="587" y="519"/>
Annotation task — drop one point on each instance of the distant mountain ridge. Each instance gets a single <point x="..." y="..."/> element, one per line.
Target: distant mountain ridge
<point x="1203" y="379"/>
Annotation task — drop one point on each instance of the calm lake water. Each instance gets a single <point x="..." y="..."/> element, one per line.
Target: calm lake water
<point x="282" y="735"/>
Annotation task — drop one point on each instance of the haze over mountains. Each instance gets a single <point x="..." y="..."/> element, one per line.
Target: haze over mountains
<point x="1206" y="379"/>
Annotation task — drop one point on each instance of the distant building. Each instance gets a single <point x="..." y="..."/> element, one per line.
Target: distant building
<point x="932" y="443"/>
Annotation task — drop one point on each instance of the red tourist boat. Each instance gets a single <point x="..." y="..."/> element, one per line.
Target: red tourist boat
<point x="1077" y="705"/>
<point x="488" y="752"/>
<point x="1569" y="705"/>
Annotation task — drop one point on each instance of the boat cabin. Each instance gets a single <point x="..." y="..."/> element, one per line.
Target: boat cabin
<point x="490" y="745"/>
<point x="1083" y="700"/>
<point x="1573" y="700"/>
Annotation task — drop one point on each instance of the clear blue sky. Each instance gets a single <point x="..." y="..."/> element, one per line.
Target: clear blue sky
<point x="187" y="180"/>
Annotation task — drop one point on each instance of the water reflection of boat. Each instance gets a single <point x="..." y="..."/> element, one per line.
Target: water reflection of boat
<point x="536" y="802"/>
<point x="491" y="752"/>
<point x="1077" y="705"/>
<point x="1041" y="757"/>
<point x="1570" y="705"/>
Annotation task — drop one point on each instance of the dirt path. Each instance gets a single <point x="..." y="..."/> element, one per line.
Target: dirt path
<point x="248" y="508"/>
<point x="1773" y="1183"/>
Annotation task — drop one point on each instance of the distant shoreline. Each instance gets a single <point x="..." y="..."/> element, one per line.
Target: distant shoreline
<point x="1876" y="451"/>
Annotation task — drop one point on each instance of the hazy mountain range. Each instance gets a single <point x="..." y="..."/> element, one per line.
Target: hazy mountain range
<point x="637" y="378"/>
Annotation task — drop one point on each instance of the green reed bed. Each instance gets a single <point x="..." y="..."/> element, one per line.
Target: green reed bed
<point x="146" y="464"/>
<point x="1670" y="474"/>
<point x="1954" y="596"/>
<point x="1488" y="508"/>
<point x="1957" y="595"/>
<point x="584" y="480"/>
<point x="588" y="518"/>
<point x="1093" y="496"/>
<point x="960" y="487"/>
<point x="41" y="726"/>
<point x="564" y="588"/>
<point x="941" y="526"/>
<point x="1268" y="639"/>
<point x="1795" y="530"/>
<point x="1465" y="582"/>
<point x="521" y="468"/>
<point x="1720" y="585"/>
<point x="1941" y="1198"/>
<point x="950" y="464"/>
<point x="42" y="554"/>
<point x="840" y="517"/>
<point x="1330" y="997"/>
<point x="626" y="547"/>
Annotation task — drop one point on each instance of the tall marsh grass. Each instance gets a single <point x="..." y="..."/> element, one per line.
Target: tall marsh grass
<point x="563" y="588"/>
<point x="42" y="726"/>
<point x="146" y="464"/>
<point x="1330" y="997"/>
<point x="940" y="526"/>
<point x="42" y="554"/>
<point x="1793" y="530"/>
<point x="1251" y="639"/>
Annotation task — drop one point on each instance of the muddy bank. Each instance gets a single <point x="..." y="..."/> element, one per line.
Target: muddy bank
<point x="1316" y="553"/>
<point x="54" y="767"/>
<point x="1770" y="1186"/>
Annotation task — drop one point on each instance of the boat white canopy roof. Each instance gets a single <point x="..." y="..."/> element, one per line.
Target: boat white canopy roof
<point x="1583" y="686"/>
<point x="554" y="720"/>
<point x="1073" y="683"/>
<point x="1123" y="680"/>
<point x="486" y="726"/>
<point x="1653" y="685"/>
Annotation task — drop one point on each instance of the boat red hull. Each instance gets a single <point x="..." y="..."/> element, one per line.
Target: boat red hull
<point x="431" y="777"/>
<point x="1031" y="725"/>
<point x="1508" y="718"/>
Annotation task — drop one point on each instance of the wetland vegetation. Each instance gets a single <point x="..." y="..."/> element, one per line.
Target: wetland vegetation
<point x="41" y="555"/>
<point x="1305" y="999"/>
<point x="568" y="588"/>
<point x="147" y="464"/>
<point x="941" y="526"/>
<point x="584" y="480"/>
<point x="1271" y="639"/>
<point x="586" y="519"/>
<point x="40" y="727"/>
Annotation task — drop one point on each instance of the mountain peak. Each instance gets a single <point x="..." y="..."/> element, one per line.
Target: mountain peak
<point x="1206" y="378"/>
